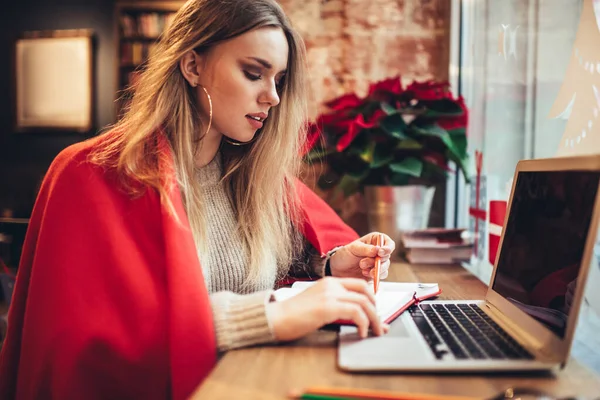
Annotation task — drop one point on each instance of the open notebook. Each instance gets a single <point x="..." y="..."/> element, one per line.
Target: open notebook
<point x="392" y="298"/>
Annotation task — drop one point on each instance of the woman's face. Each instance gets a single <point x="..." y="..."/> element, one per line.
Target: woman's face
<point x="242" y="77"/>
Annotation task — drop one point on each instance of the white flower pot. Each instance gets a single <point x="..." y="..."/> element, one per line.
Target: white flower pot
<point x="393" y="209"/>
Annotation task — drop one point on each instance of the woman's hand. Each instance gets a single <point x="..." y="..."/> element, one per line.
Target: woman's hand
<point x="357" y="259"/>
<point x="328" y="300"/>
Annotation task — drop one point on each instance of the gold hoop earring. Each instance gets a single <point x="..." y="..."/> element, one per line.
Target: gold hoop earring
<point x="210" y="111"/>
<point x="225" y="138"/>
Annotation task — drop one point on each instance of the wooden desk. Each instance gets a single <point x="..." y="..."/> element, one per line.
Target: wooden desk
<point x="269" y="372"/>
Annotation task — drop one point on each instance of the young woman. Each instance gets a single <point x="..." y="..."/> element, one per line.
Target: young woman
<point x="157" y="245"/>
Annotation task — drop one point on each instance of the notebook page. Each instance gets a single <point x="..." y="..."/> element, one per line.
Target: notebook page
<point x="387" y="301"/>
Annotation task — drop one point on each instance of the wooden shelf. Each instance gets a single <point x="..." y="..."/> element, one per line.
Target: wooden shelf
<point x="139" y="38"/>
<point x="14" y="220"/>
<point x="138" y="25"/>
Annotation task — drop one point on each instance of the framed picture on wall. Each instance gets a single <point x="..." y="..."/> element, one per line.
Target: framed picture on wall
<point x="54" y="81"/>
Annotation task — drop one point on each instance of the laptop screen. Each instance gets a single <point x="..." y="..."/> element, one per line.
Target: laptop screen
<point x="544" y="243"/>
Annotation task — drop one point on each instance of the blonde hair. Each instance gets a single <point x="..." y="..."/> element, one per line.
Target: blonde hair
<point x="260" y="177"/>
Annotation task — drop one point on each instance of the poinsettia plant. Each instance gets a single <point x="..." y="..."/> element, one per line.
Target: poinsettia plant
<point x="393" y="136"/>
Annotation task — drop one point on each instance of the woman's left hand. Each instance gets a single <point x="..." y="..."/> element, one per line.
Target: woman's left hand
<point x="357" y="259"/>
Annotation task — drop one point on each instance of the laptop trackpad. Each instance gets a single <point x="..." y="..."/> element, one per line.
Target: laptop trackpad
<point x="398" y="329"/>
<point x="389" y="351"/>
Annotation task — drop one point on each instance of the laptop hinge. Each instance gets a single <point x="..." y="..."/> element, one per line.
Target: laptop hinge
<point x="529" y="342"/>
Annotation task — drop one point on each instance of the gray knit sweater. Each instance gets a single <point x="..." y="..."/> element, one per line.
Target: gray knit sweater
<point x="239" y="314"/>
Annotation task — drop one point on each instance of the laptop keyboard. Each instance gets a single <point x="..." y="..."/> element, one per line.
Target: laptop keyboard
<point x="467" y="331"/>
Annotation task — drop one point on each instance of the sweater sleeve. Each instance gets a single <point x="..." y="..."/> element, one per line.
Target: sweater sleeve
<point x="241" y="320"/>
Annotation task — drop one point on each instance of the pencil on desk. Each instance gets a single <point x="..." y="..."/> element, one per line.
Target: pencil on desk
<point x="309" y="396"/>
<point x="377" y="264"/>
<point x="367" y="394"/>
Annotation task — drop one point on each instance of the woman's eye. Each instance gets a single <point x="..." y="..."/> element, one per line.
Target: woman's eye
<point x="252" y="77"/>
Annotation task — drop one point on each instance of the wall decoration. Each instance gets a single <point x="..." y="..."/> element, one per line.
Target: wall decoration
<point x="507" y="41"/>
<point x="579" y="102"/>
<point x="579" y="98"/>
<point x="54" y="81"/>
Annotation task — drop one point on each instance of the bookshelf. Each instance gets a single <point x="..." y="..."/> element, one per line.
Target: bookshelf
<point x="138" y="26"/>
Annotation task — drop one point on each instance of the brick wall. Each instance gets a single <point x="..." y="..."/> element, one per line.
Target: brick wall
<point x="351" y="43"/>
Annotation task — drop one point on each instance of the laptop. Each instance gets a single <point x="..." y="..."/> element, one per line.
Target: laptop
<point x="528" y="317"/>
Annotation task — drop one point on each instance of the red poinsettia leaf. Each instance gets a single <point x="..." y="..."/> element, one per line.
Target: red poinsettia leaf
<point x="390" y="85"/>
<point x="372" y="121"/>
<point x="345" y="102"/>
<point x="437" y="159"/>
<point x="458" y="122"/>
<point x="335" y="123"/>
<point x="313" y="136"/>
<point x="348" y="137"/>
<point x="430" y="90"/>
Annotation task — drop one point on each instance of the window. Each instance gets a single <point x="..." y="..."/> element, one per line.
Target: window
<point x="530" y="74"/>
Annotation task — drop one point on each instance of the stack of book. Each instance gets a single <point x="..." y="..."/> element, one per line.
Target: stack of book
<point x="436" y="246"/>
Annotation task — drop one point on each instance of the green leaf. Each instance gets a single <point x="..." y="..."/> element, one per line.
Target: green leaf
<point x="360" y="143"/>
<point x="430" y="129"/>
<point x="399" y="179"/>
<point x="395" y="126"/>
<point x="462" y="165"/>
<point x="441" y="108"/>
<point x="367" y="154"/>
<point x="410" y="166"/>
<point x="458" y="132"/>
<point x="383" y="155"/>
<point x="431" y="168"/>
<point x="460" y="143"/>
<point x="422" y="127"/>
<point x="317" y="155"/>
<point x="348" y="185"/>
<point x="388" y="109"/>
<point x="409" y="144"/>
<point x="359" y="173"/>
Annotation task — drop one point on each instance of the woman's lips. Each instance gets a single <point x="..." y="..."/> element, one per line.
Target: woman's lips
<point x="254" y="123"/>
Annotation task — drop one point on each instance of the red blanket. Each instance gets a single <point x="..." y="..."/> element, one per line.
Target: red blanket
<point x="110" y="300"/>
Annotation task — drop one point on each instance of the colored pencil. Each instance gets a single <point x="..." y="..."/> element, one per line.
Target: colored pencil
<point x="309" y="396"/>
<point x="368" y="394"/>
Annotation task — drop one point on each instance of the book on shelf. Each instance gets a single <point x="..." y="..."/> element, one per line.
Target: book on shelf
<point x="145" y="24"/>
<point x="392" y="298"/>
<point x="436" y="246"/>
<point x="135" y="53"/>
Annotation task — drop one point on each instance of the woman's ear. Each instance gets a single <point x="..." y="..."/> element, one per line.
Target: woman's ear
<point x="190" y="67"/>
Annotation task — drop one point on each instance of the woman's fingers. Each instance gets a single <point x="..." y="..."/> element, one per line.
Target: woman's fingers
<point x="367" y="307"/>
<point x="359" y="286"/>
<point x="369" y="268"/>
<point x="387" y="247"/>
<point x="358" y="309"/>
<point x="371" y="274"/>
<point x="328" y="300"/>
<point x="368" y="263"/>
<point x="388" y="243"/>
<point x="354" y="313"/>
<point x="358" y="292"/>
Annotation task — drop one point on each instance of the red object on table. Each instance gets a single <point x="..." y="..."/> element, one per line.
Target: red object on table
<point x="497" y="214"/>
